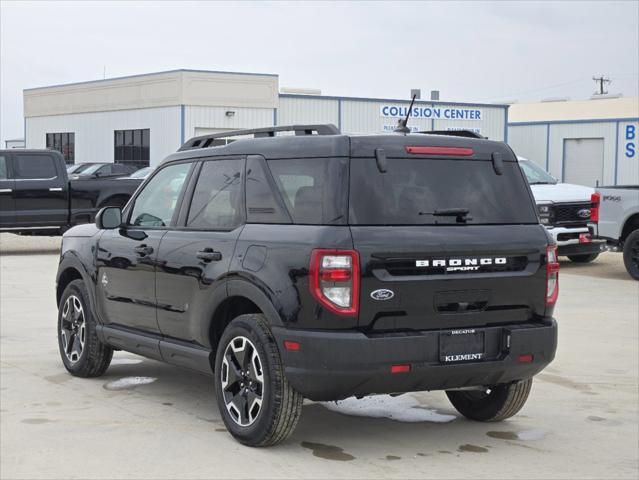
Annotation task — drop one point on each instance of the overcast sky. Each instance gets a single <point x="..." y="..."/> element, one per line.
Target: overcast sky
<point x="469" y="51"/>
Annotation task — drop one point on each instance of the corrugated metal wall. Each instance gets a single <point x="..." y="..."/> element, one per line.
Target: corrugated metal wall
<point x="364" y="115"/>
<point x="529" y="142"/>
<point x="94" y="137"/>
<point x="544" y="144"/>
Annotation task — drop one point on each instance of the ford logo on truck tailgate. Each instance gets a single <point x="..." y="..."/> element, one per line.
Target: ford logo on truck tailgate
<point x="382" y="294"/>
<point x="584" y="213"/>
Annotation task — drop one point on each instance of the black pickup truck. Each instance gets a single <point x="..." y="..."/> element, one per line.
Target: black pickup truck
<point x="324" y="266"/>
<point x="36" y="195"/>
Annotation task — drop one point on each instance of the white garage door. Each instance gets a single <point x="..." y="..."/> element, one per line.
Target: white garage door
<point x="583" y="161"/>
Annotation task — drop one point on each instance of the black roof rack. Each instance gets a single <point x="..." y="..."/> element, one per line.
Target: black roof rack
<point x="205" y="141"/>
<point x="455" y="133"/>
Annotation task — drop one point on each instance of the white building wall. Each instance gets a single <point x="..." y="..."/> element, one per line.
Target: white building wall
<point x="560" y="132"/>
<point x="628" y="153"/>
<point x="94" y="137"/>
<point x="215" y="119"/>
<point x="529" y="142"/>
<point x="309" y="111"/>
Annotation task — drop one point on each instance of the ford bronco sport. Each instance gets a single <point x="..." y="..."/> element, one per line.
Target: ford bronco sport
<point x="324" y="266"/>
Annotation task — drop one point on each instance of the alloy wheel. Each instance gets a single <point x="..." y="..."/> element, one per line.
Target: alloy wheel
<point x="242" y="378"/>
<point x="73" y="329"/>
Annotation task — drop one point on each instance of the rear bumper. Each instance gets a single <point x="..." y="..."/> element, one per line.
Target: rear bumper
<point x="335" y="365"/>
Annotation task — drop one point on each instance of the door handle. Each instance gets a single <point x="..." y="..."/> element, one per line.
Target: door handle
<point x="143" y="250"/>
<point x="6" y="190"/>
<point x="55" y="189"/>
<point x="209" y="255"/>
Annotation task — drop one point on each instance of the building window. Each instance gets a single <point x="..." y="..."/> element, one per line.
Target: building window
<point x="132" y="146"/>
<point x="63" y="143"/>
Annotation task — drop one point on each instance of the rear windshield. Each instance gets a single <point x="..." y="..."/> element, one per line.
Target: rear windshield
<point x="433" y="192"/>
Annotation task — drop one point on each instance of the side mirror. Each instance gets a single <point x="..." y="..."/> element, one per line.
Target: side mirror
<point x="108" y="218"/>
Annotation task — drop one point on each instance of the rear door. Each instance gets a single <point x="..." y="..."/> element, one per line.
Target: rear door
<point x="41" y="189"/>
<point x="7" y="205"/>
<point x="195" y="256"/>
<point x="425" y="266"/>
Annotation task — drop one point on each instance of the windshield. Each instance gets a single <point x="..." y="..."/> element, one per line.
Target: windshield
<point x="535" y="174"/>
<point x="78" y="168"/>
<point x="142" y="173"/>
<point x="89" y="169"/>
<point x="438" y="192"/>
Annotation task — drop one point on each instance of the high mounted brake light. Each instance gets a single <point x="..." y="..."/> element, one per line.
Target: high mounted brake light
<point x="334" y="280"/>
<point x="453" y="151"/>
<point x="595" y="199"/>
<point x="552" y="275"/>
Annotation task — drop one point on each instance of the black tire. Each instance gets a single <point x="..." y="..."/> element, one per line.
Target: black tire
<point x="501" y="403"/>
<point x="281" y="405"/>
<point x="631" y="254"/>
<point x="583" y="258"/>
<point x="94" y="357"/>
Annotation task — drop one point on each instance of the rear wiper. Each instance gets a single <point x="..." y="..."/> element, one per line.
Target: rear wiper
<point x="461" y="214"/>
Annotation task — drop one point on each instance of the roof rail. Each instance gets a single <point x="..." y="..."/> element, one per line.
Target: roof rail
<point x="205" y="141"/>
<point x="455" y="133"/>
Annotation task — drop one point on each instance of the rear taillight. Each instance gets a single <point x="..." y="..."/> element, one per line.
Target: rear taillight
<point x="334" y="280"/>
<point x="595" y="198"/>
<point x="552" y="275"/>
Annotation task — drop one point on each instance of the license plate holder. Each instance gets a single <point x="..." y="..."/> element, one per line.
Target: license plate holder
<point x="458" y="346"/>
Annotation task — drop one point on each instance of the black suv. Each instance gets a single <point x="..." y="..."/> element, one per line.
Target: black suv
<point x="320" y="265"/>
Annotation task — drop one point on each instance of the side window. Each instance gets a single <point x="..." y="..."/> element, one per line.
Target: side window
<point x="263" y="201"/>
<point x="34" y="167"/>
<point x="217" y="199"/>
<point x="4" y="171"/>
<point x="315" y="189"/>
<point x="155" y="205"/>
<point x="105" y="170"/>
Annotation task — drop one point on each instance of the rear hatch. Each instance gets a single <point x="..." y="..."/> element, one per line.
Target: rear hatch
<point x="444" y="241"/>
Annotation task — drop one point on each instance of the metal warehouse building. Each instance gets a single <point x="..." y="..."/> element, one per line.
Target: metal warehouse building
<point x="585" y="142"/>
<point x="143" y="118"/>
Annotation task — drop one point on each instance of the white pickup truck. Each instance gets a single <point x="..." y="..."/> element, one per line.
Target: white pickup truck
<point x="619" y="223"/>
<point x="569" y="212"/>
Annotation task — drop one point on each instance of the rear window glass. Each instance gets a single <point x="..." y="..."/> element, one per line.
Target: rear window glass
<point x="313" y="189"/>
<point x="413" y="190"/>
<point x="34" y="167"/>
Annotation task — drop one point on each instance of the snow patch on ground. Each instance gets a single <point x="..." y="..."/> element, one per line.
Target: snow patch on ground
<point x="404" y="408"/>
<point x="527" y="435"/>
<point x="125" y="361"/>
<point x="128" y="383"/>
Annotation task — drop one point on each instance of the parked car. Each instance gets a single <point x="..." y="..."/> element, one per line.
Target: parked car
<point x="104" y="170"/>
<point x="142" y="173"/>
<point x="324" y="266"/>
<point x="568" y="211"/>
<point x="619" y="223"/>
<point x="36" y="195"/>
<point x="78" y="167"/>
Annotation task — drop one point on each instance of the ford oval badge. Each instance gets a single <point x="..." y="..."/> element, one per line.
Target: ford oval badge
<point x="382" y="294"/>
<point x="584" y="213"/>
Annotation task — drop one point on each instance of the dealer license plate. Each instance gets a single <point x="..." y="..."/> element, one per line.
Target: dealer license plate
<point x="462" y="345"/>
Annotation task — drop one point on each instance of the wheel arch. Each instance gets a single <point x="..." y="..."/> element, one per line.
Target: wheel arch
<point x="71" y="269"/>
<point x="242" y="298"/>
<point x="630" y="225"/>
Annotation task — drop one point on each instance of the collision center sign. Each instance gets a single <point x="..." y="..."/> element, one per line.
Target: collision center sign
<point x="440" y="113"/>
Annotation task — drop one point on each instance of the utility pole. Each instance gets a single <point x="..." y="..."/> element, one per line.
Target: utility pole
<point x="601" y="81"/>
